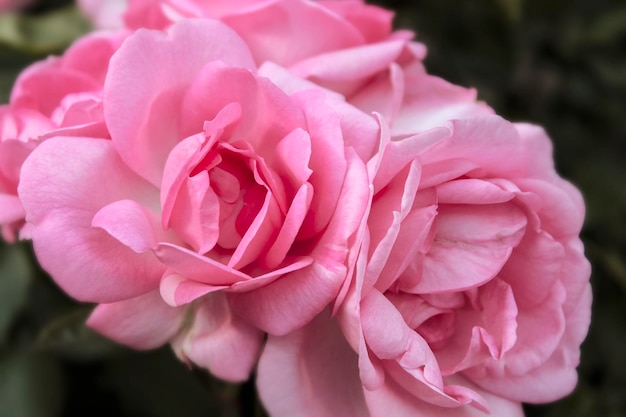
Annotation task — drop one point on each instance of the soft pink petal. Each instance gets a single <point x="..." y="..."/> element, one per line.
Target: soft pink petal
<point x="104" y="14"/>
<point x="61" y="200"/>
<point x="11" y="209"/>
<point x="562" y="212"/>
<point x="392" y="400"/>
<point x="310" y="372"/>
<point x="197" y="267"/>
<point x="374" y="22"/>
<point x="471" y="191"/>
<point x="264" y="108"/>
<point x="491" y="143"/>
<point x="130" y="223"/>
<point x="310" y="290"/>
<point x="480" y="238"/>
<point x="177" y="290"/>
<point x="382" y="95"/>
<point x="430" y="101"/>
<point x="220" y="341"/>
<point x="143" y="322"/>
<point x="550" y="382"/>
<point x="360" y="130"/>
<point x="286" y="31"/>
<point x="327" y="150"/>
<point x="290" y="227"/>
<point x="483" y="331"/>
<point x="533" y="268"/>
<point x="140" y="96"/>
<point x="346" y="70"/>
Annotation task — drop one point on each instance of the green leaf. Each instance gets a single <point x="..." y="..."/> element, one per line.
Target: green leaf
<point x="31" y="385"/>
<point x="16" y="276"/>
<point x="69" y="336"/>
<point x="42" y="34"/>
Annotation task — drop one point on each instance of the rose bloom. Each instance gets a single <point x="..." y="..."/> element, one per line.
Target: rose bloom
<point x="470" y="295"/>
<point x="227" y="201"/>
<point x="10" y="5"/>
<point x="345" y="46"/>
<point x="60" y="95"/>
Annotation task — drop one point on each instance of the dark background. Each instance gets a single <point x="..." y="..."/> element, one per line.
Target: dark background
<point x="558" y="63"/>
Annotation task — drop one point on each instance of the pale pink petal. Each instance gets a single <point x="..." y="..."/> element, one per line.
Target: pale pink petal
<point x="104" y="14"/>
<point x="276" y="254"/>
<point x="11" y="209"/>
<point x="539" y="333"/>
<point x="143" y="322"/>
<point x="471" y="191"/>
<point x="561" y="215"/>
<point x="220" y="341"/>
<point x="382" y="95"/>
<point x="177" y="289"/>
<point x="264" y="108"/>
<point x="285" y="31"/>
<point x="551" y="381"/>
<point x="360" y="130"/>
<point x="479" y="238"/>
<point x="130" y="223"/>
<point x="533" y="268"/>
<point x="141" y="121"/>
<point x="197" y="267"/>
<point x="327" y="150"/>
<point x="310" y="290"/>
<point x="61" y="200"/>
<point x="392" y="400"/>
<point x="430" y="101"/>
<point x="310" y="372"/>
<point x="489" y="142"/>
<point x="37" y="79"/>
<point x="482" y="332"/>
<point x="345" y="70"/>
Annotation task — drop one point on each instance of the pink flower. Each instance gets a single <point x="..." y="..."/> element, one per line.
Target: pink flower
<point x="104" y="14"/>
<point x="233" y="193"/>
<point x="471" y="293"/>
<point x="347" y="47"/>
<point x="9" y="5"/>
<point x="55" y="96"/>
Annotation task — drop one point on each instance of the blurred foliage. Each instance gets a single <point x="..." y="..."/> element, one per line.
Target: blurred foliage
<point x="558" y="63"/>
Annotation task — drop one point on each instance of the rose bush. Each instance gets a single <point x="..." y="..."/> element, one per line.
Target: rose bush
<point x="471" y="296"/>
<point x="228" y="191"/>
<point x="60" y="95"/>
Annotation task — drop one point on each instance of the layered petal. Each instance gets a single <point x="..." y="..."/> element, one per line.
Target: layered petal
<point x="61" y="210"/>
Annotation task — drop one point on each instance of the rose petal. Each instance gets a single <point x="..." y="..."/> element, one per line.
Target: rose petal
<point x="479" y="238"/>
<point x="220" y="341"/>
<point x="141" y="121"/>
<point x="143" y="322"/>
<point x="61" y="200"/>
<point x="318" y="370"/>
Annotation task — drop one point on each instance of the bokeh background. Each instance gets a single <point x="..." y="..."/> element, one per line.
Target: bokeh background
<point x="558" y="63"/>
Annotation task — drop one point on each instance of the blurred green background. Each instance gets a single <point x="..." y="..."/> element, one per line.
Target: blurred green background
<point x="558" y="63"/>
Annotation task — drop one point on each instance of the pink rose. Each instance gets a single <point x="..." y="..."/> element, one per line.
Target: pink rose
<point x="347" y="47"/>
<point x="10" y="5"/>
<point x="471" y="293"/>
<point x="104" y="14"/>
<point x="55" y="96"/>
<point x="235" y="194"/>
